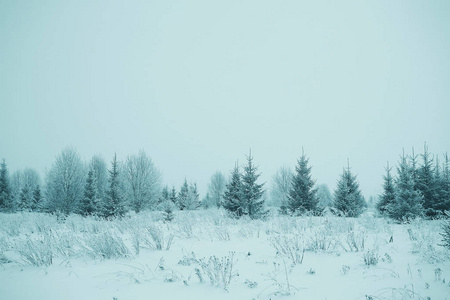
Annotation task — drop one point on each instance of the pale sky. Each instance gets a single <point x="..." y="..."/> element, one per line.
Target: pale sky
<point x="197" y="83"/>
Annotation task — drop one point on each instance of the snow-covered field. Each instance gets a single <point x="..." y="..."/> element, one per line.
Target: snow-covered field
<point x="205" y="255"/>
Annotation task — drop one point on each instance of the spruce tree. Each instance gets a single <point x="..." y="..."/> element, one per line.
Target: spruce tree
<point x="88" y="205"/>
<point x="348" y="200"/>
<point x="173" y="195"/>
<point x="183" y="195"/>
<point x="164" y="195"/>
<point x="5" y="189"/>
<point x="302" y="195"/>
<point x="388" y="197"/>
<point x="114" y="202"/>
<point x="252" y="192"/>
<point x="446" y="183"/>
<point x="232" y="198"/>
<point x="440" y="203"/>
<point x="25" y="197"/>
<point x="193" y="197"/>
<point x="426" y="183"/>
<point x="408" y="201"/>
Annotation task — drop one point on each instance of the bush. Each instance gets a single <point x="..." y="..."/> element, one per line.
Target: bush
<point x="37" y="252"/>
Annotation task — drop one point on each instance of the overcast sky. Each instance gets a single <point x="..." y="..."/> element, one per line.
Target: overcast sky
<point x="197" y="83"/>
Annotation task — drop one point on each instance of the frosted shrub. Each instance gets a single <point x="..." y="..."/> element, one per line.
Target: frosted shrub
<point x="158" y="240"/>
<point x="106" y="245"/>
<point x="321" y="240"/>
<point x="355" y="241"/>
<point x="219" y="271"/>
<point x="370" y="258"/>
<point x="36" y="252"/>
<point x="291" y="247"/>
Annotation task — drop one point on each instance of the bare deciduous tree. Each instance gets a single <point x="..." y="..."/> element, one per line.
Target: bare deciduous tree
<point x="143" y="181"/>
<point x="281" y="184"/>
<point x="216" y="189"/>
<point x="65" y="182"/>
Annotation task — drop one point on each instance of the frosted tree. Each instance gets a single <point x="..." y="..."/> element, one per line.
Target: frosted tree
<point x="65" y="182"/>
<point x="324" y="195"/>
<point x="183" y="195"/>
<point x="173" y="195"/>
<point x="89" y="203"/>
<point x="251" y="192"/>
<point x="426" y="183"/>
<point x="100" y="169"/>
<point x="348" y="200"/>
<point x="445" y="192"/>
<point x="279" y="192"/>
<point x="408" y="201"/>
<point x="143" y="182"/>
<point x="302" y="194"/>
<point x="37" y="199"/>
<point x="387" y="198"/>
<point x="164" y="195"/>
<point x="216" y="188"/>
<point x="193" y="197"/>
<point x="114" y="205"/>
<point x="5" y="189"/>
<point x="29" y="180"/>
<point x="232" y="198"/>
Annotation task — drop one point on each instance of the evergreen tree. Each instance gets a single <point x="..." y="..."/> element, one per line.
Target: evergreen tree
<point x="114" y="202"/>
<point x="232" y="198"/>
<point x="37" y="199"/>
<point x="5" y="189"/>
<point x="414" y="170"/>
<point x="302" y="195"/>
<point x="164" y="195"/>
<point x="446" y="183"/>
<point x="193" y="197"/>
<point x="25" y="197"/>
<point x="88" y="205"/>
<point x="173" y="195"/>
<point x="408" y="201"/>
<point x="426" y="183"/>
<point x="388" y="197"/>
<point x="252" y="201"/>
<point x="440" y="204"/>
<point x="183" y="195"/>
<point x="348" y="200"/>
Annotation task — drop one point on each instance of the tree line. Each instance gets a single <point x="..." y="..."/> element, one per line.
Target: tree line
<point x="419" y="189"/>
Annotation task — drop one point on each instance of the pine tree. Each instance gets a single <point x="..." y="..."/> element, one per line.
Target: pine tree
<point x="426" y="183"/>
<point x="253" y="204"/>
<point x="348" y="200"/>
<point x="408" y="201"/>
<point x="88" y="204"/>
<point x="388" y="197"/>
<point x="183" y="196"/>
<point x="232" y="197"/>
<point x="303" y="195"/>
<point x="164" y="195"/>
<point x="5" y="189"/>
<point x="114" y="202"/>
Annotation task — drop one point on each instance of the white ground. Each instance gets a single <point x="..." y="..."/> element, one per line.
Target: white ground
<point x="266" y="258"/>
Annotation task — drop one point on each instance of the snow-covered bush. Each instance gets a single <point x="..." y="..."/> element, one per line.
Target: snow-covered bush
<point x="219" y="271"/>
<point x="289" y="246"/>
<point x="106" y="245"/>
<point x="36" y="252"/>
<point x="158" y="240"/>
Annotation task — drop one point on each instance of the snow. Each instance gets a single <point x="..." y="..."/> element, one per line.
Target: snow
<point x="413" y="266"/>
